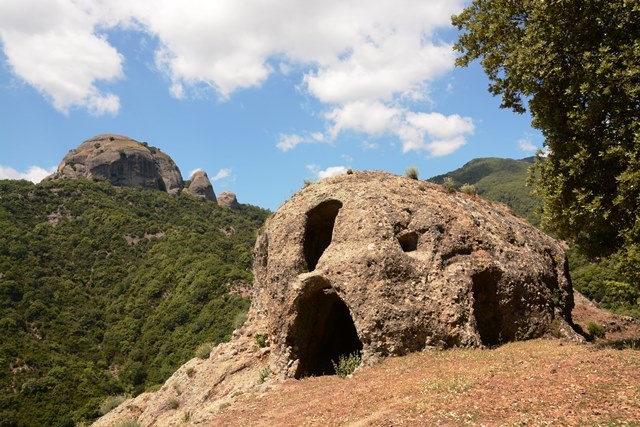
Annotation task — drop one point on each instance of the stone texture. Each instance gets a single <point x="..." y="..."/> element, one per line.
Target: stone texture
<point x="201" y="186"/>
<point x="121" y="161"/>
<point x="228" y="200"/>
<point x="386" y="265"/>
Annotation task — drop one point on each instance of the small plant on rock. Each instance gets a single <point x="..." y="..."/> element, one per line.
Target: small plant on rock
<point x="347" y="364"/>
<point x="469" y="189"/>
<point x="261" y="340"/>
<point x="173" y="403"/>
<point x="204" y="350"/>
<point x="264" y="374"/>
<point x="110" y="403"/>
<point x="449" y="185"/>
<point x="412" y="172"/>
<point x="596" y="330"/>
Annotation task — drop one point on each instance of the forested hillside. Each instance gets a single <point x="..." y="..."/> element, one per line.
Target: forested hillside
<point x="501" y="180"/>
<point x="107" y="290"/>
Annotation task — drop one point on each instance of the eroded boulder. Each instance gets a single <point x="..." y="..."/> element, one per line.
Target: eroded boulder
<point x="123" y="162"/>
<point x="383" y="265"/>
<point x="201" y="186"/>
<point x="228" y="200"/>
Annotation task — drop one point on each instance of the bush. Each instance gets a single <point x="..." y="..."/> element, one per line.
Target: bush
<point x="264" y="374"/>
<point x="173" y="403"/>
<point x="110" y="403"/>
<point x="204" y="350"/>
<point x="449" y="185"/>
<point x="412" y="172"/>
<point x="596" y="330"/>
<point x="469" y="189"/>
<point x="347" y="364"/>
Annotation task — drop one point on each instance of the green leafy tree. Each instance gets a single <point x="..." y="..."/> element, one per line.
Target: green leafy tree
<point x="576" y="63"/>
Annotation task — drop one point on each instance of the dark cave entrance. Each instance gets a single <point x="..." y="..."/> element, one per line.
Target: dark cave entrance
<point x="319" y="231"/>
<point x="322" y="332"/>
<point x="409" y="241"/>
<point x="486" y="307"/>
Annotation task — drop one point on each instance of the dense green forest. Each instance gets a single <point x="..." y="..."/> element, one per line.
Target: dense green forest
<point x="613" y="281"/>
<point x="107" y="290"/>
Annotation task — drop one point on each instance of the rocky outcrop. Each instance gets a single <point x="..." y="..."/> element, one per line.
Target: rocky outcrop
<point x="384" y="265"/>
<point x="201" y="186"/>
<point x="379" y="265"/>
<point x="228" y="200"/>
<point x="123" y="162"/>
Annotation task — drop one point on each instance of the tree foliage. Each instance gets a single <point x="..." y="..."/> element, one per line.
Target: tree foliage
<point x="106" y="291"/>
<point x="576" y="63"/>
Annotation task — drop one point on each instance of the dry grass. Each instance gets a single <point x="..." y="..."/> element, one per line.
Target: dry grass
<point x="539" y="382"/>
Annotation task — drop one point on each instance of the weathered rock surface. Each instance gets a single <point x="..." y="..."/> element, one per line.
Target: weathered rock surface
<point x="384" y="265"/>
<point x="378" y="264"/>
<point x="201" y="186"/>
<point x="122" y="161"/>
<point x="228" y="200"/>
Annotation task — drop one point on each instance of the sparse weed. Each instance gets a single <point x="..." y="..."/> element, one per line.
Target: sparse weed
<point x="347" y="364"/>
<point x="469" y="189"/>
<point x="173" y="403"/>
<point x="449" y="185"/>
<point x="264" y="374"/>
<point x="110" y="403"/>
<point x="204" y="350"/>
<point x="455" y="385"/>
<point x="412" y="172"/>
<point x="596" y="330"/>
<point x="128" y="423"/>
<point x="190" y="371"/>
<point x="261" y="340"/>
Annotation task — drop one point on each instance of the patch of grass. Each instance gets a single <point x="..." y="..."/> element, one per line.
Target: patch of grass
<point x="173" y="403"/>
<point x="346" y="364"/>
<point x="455" y="385"/>
<point x="469" y="189"/>
<point x="411" y="172"/>
<point x="190" y="371"/>
<point x="261" y="340"/>
<point x="264" y="374"/>
<point x="187" y="417"/>
<point x="128" y="423"/>
<point x="111" y="402"/>
<point x="449" y="185"/>
<point x="204" y="350"/>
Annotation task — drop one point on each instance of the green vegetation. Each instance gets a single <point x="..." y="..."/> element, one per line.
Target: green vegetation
<point x="500" y="180"/>
<point x="576" y="64"/>
<point x="412" y="172"/>
<point x="204" y="350"/>
<point x="264" y="374"/>
<point x="595" y="330"/>
<point x="469" y="189"/>
<point x="347" y="364"/>
<point x="107" y="290"/>
<point x="261" y="340"/>
<point x="110" y="403"/>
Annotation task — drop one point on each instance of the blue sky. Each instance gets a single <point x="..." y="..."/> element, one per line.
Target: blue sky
<point x="261" y="95"/>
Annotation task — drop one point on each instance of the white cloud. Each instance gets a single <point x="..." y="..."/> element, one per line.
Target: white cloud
<point x="34" y="174"/>
<point x="367" y="62"/>
<point x="526" y="145"/>
<point x="222" y="173"/>
<point x="54" y="47"/>
<point x="194" y="171"/>
<point x="288" y="142"/>
<point x="326" y="173"/>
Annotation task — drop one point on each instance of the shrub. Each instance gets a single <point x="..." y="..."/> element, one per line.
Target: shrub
<point x="412" y="172"/>
<point x="347" y="364"/>
<point x="261" y="339"/>
<point x="469" y="189"/>
<point x="204" y="350"/>
<point x="173" y="403"/>
<point x="449" y="185"/>
<point x="190" y="371"/>
<point x="596" y="330"/>
<point x="110" y="403"/>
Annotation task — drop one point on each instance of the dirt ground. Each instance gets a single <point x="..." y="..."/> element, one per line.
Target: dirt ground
<point x="531" y="383"/>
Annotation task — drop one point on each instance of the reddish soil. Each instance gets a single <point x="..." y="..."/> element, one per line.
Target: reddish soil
<point x="531" y="383"/>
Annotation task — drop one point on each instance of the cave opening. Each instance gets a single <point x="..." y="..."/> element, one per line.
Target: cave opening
<point x="409" y="241"/>
<point x="319" y="231"/>
<point x="322" y="332"/>
<point x="486" y="307"/>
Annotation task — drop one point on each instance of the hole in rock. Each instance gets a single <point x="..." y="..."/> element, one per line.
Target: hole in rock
<point x="486" y="307"/>
<point x="322" y="332"/>
<point x="409" y="241"/>
<point x="319" y="231"/>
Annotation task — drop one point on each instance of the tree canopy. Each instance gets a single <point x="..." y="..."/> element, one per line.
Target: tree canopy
<point x="576" y="65"/>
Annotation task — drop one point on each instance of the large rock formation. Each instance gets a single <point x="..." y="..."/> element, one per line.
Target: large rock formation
<point x="228" y="200"/>
<point x="201" y="186"/>
<point x="384" y="265"/>
<point x="378" y="264"/>
<point x="122" y="161"/>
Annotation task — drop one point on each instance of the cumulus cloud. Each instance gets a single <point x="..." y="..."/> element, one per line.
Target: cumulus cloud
<point x="326" y="173"/>
<point x="367" y="62"/>
<point x="54" y="47"/>
<point x="34" y="174"/>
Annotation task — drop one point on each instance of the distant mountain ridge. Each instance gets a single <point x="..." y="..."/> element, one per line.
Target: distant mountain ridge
<point x="501" y="180"/>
